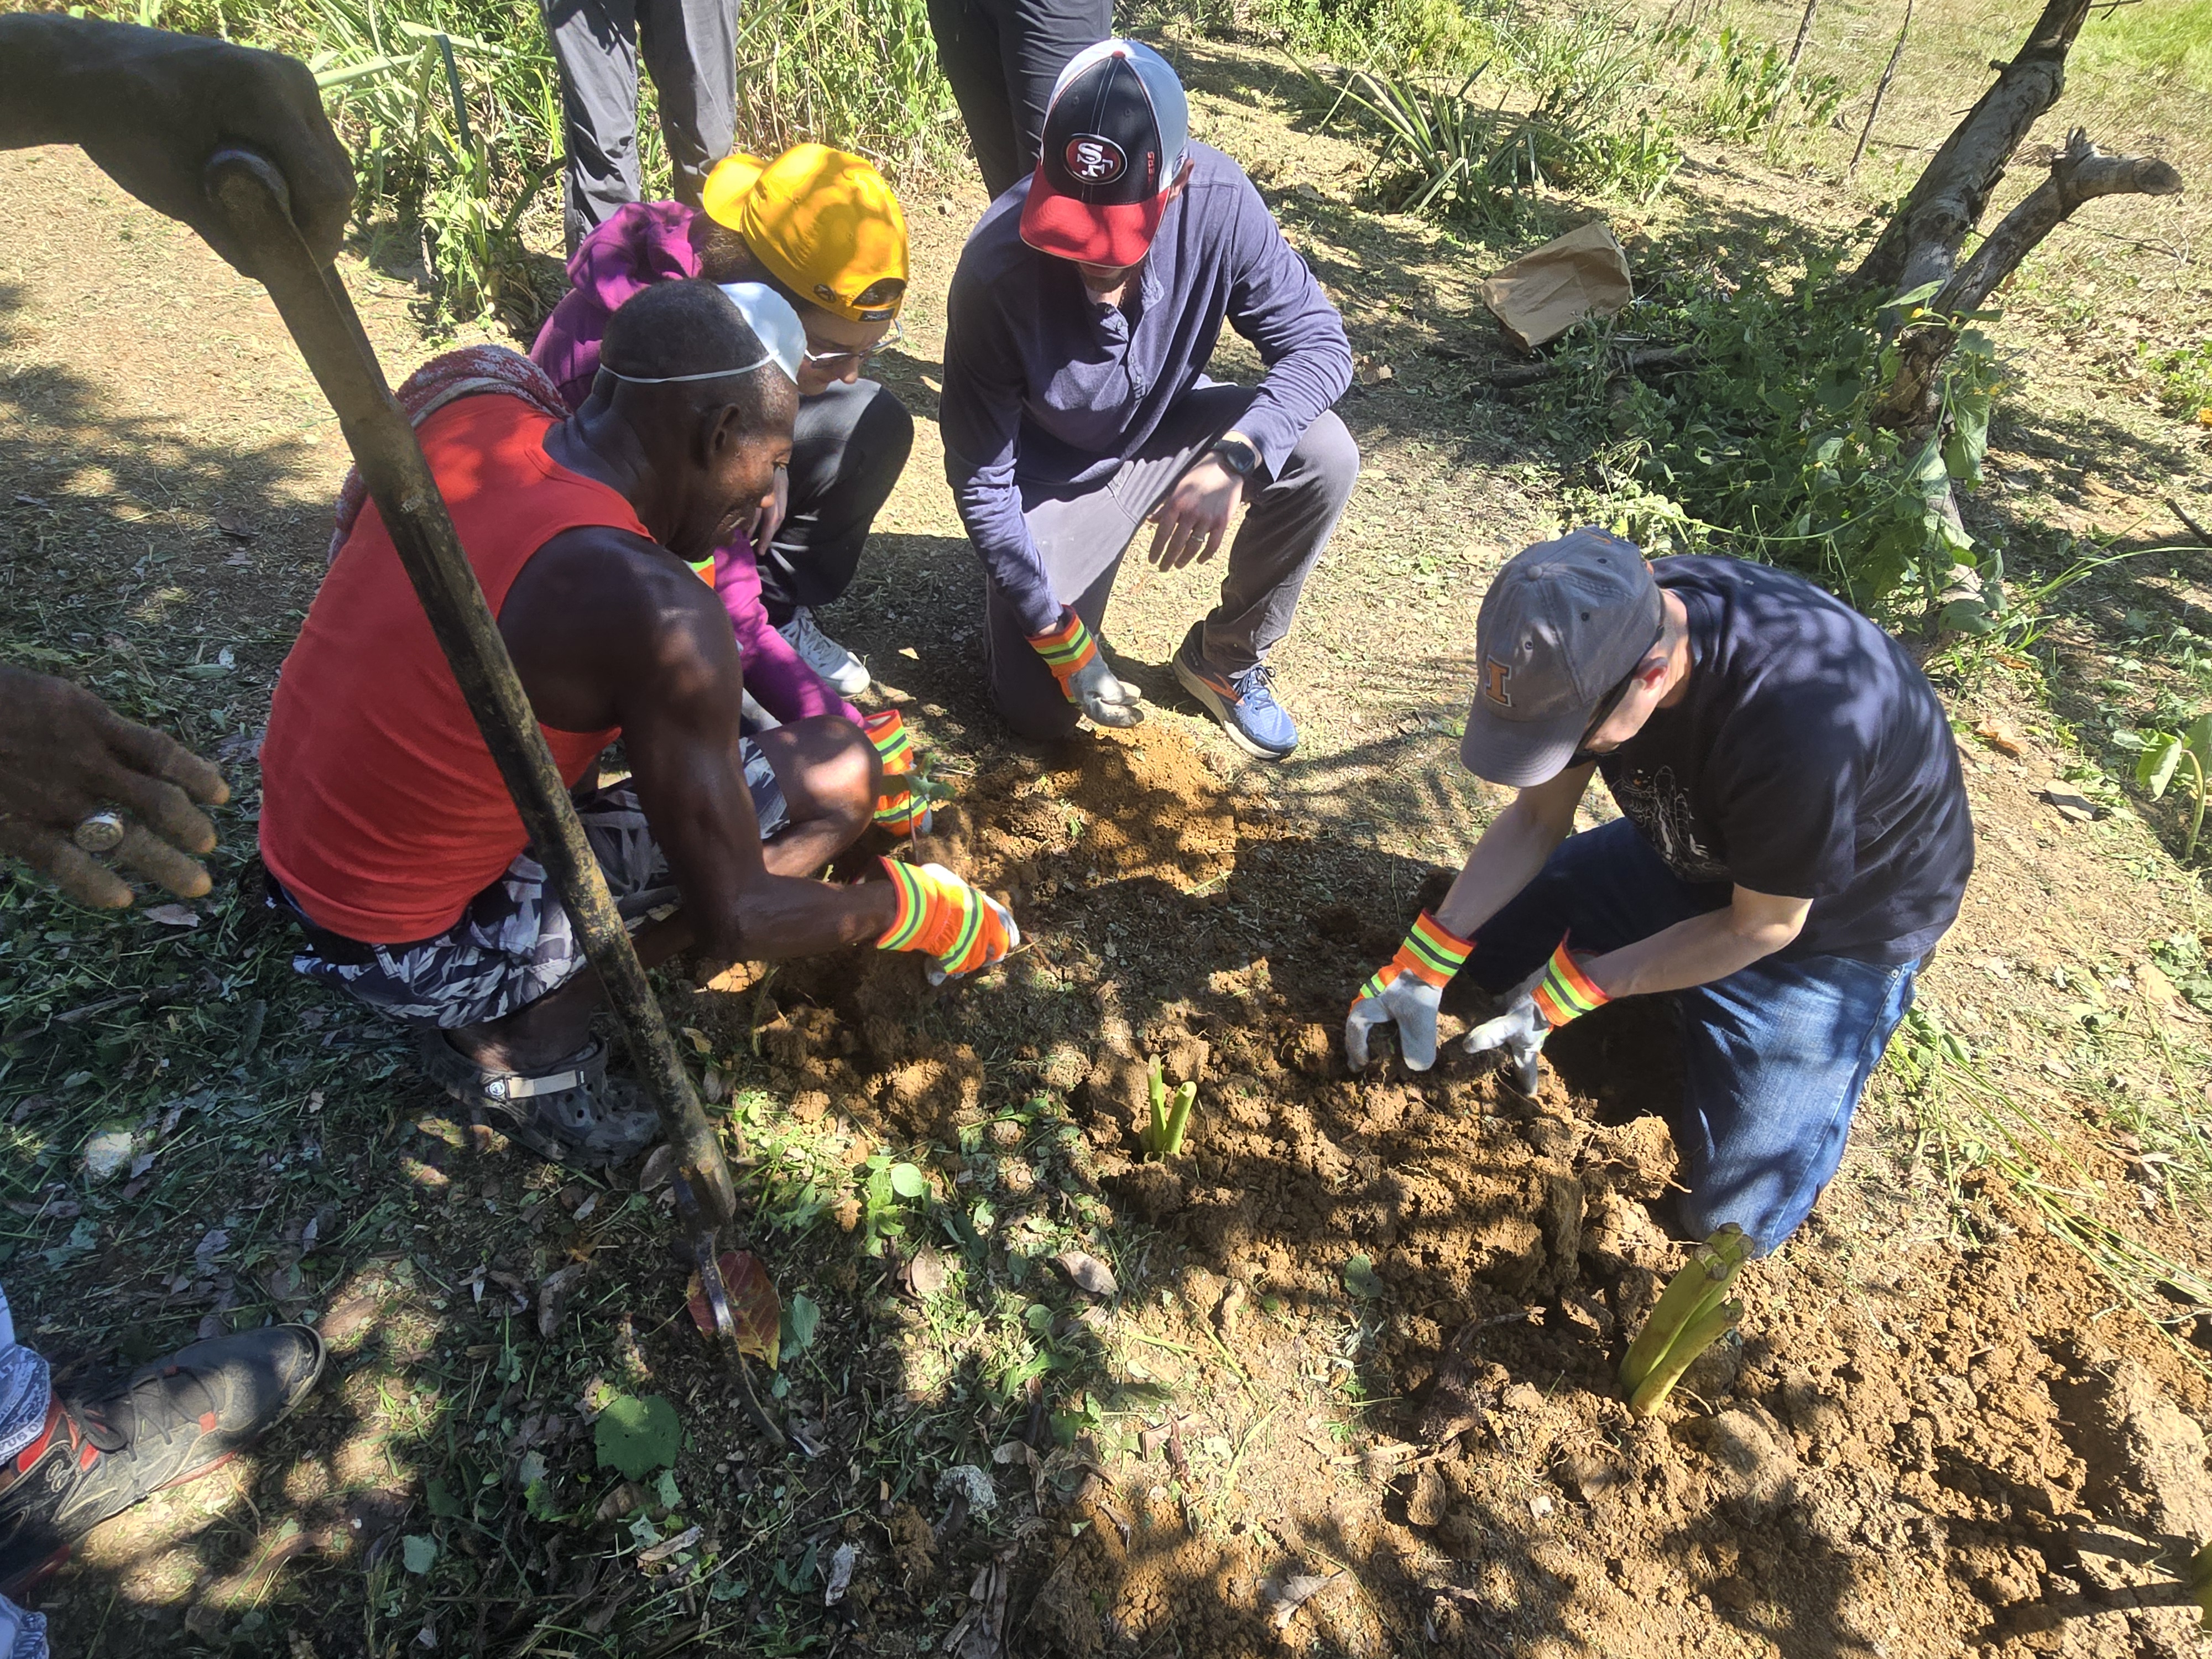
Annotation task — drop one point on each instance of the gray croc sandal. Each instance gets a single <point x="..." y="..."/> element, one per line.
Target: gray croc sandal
<point x="572" y="1113"/>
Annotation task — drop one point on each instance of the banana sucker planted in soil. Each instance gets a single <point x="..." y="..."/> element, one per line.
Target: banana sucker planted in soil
<point x="1690" y="1315"/>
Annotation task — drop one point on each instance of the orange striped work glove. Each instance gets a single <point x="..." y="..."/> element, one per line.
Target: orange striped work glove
<point x="1558" y="991"/>
<point x="959" y="928"/>
<point x="900" y="809"/>
<point x="1406" y="991"/>
<point x="1085" y="679"/>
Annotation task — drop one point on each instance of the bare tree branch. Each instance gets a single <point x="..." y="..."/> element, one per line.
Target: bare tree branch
<point x="2079" y="174"/>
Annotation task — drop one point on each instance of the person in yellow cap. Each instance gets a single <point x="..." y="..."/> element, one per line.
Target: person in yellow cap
<point x="823" y="229"/>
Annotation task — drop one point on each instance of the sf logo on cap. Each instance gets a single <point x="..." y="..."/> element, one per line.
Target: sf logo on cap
<point x="1095" y="160"/>
<point x="1500" y="673"/>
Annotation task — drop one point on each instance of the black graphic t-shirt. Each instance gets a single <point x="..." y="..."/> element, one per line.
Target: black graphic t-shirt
<point x="1808" y="759"/>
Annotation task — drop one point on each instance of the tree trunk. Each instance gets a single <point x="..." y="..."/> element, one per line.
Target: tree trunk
<point x="1921" y="244"/>
<point x="2079" y="173"/>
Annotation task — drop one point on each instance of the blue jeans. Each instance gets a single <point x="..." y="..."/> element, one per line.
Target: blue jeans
<point x="1775" y="1057"/>
<point x="24" y="1397"/>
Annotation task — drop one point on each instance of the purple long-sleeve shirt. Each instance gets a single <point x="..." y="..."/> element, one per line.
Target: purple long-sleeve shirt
<point x="645" y="243"/>
<point x="1044" y="385"/>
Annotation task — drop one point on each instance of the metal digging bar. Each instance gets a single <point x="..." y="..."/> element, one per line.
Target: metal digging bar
<point x="251" y="194"/>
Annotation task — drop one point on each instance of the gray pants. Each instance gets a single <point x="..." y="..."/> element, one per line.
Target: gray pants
<point x="1002" y="58"/>
<point x="691" y="48"/>
<point x="1082" y="534"/>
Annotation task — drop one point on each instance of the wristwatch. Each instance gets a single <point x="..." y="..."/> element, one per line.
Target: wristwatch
<point x="1237" y="458"/>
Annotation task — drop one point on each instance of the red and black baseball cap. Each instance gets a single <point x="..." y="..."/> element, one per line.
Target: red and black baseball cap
<point x="1114" y="137"/>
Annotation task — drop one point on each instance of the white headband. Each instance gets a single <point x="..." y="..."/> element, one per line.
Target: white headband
<point x="678" y="379"/>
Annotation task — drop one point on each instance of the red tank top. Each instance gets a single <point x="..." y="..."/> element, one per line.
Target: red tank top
<point x="382" y="811"/>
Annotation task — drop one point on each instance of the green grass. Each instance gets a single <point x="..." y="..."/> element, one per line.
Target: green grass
<point x="2168" y="41"/>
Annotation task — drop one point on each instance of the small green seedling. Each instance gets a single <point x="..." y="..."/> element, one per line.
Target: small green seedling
<point x="1163" y="1136"/>
<point x="2187" y="754"/>
<point x="1691" y="1315"/>
<point x="2198" y="1578"/>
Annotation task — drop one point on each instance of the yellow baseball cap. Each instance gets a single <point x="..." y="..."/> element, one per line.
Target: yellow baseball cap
<point x="726" y="185"/>
<point x="826" y="225"/>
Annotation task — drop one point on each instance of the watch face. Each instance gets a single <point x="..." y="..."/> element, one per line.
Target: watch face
<point x="1238" y="458"/>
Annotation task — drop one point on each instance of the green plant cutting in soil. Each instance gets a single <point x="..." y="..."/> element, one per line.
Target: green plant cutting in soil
<point x="1693" y="1312"/>
<point x="1168" y="1116"/>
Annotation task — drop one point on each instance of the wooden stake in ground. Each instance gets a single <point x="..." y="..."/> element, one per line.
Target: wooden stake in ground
<point x="1881" y="91"/>
<point x="1804" y="34"/>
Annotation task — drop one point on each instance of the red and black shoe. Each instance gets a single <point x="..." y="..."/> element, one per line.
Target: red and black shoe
<point x="175" y="1421"/>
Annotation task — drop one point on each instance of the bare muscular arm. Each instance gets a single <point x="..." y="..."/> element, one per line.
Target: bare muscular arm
<point x="607" y="629"/>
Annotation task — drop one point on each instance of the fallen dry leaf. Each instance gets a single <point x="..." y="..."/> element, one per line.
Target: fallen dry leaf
<point x="175" y="915"/>
<point x="2000" y="735"/>
<point x="926" y="1272"/>
<point x="1293" y="1593"/>
<point x="553" y="1293"/>
<point x="841" y="1574"/>
<point x="234" y="524"/>
<point x="754" y="1306"/>
<point x="1430" y="1499"/>
<point x="1088" y="1274"/>
<point x="660" y="1165"/>
<point x="2157" y="990"/>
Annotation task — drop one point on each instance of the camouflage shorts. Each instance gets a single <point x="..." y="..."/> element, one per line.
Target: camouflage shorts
<point x="515" y="942"/>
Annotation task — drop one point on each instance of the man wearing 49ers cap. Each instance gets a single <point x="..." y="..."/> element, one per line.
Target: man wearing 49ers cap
<point x="1794" y="840"/>
<point x="1077" y="408"/>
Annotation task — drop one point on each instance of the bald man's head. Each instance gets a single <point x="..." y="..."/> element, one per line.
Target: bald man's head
<point x="710" y="409"/>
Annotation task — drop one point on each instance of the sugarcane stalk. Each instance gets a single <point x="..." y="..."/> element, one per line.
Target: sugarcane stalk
<point x="1695" y="1338"/>
<point x="1689" y="1295"/>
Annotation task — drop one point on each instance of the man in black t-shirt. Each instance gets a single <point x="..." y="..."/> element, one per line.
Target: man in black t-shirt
<point x="1794" y="840"/>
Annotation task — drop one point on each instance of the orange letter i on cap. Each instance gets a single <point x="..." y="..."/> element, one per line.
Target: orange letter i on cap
<point x="1500" y="673"/>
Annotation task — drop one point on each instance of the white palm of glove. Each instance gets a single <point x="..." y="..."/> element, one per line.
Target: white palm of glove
<point x="1102" y="696"/>
<point x="1407" y="1002"/>
<point x="1519" y="1031"/>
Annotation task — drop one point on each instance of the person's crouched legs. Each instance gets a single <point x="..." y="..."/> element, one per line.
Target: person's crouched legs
<point x="1775" y="1058"/>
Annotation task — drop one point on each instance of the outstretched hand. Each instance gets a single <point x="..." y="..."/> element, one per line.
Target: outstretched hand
<point x="65" y="754"/>
<point x="151" y="108"/>
<point x="1193" y="520"/>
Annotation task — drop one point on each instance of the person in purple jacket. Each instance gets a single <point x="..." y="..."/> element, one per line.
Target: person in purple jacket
<point x="823" y="228"/>
<point x="1075" y="408"/>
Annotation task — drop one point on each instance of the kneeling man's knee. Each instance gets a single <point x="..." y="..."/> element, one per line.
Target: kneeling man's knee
<point x="1329" y="457"/>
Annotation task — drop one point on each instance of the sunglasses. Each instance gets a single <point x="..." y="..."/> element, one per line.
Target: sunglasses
<point x="864" y="355"/>
<point x="1583" y="755"/>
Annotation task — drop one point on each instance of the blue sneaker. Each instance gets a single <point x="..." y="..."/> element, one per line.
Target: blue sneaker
<point x="1244" y="703"/>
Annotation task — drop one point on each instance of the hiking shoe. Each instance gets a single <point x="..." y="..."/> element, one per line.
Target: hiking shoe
<point x="845" y="671"/>
<point x="1244" y="703"/>
<point x="175" y="1421"/>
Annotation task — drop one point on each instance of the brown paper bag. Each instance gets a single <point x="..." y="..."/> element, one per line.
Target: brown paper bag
<point x="1546" y="292"/>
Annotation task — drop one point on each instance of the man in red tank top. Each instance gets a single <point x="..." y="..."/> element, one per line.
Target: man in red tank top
<point x="387" y="829"/>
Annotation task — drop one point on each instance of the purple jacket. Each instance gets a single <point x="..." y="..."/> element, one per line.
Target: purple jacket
<point x="645" y="243"/>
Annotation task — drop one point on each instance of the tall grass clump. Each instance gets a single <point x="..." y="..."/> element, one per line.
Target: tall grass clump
<point x="1560" y="102"/>
<point x="452" y="110"/>
<point x="1394" y="36"/>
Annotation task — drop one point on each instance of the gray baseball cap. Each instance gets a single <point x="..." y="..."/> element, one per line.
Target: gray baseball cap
<point x="1562" y="625"/>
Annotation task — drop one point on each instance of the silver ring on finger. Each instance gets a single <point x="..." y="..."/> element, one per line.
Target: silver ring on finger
<point x="98" y="832"/>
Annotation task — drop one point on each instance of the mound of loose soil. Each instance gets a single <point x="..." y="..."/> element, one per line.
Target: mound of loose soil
<point x="1913" y="1448"/>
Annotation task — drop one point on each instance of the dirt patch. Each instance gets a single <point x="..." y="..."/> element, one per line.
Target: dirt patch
<point x="1913" y="1448"/>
